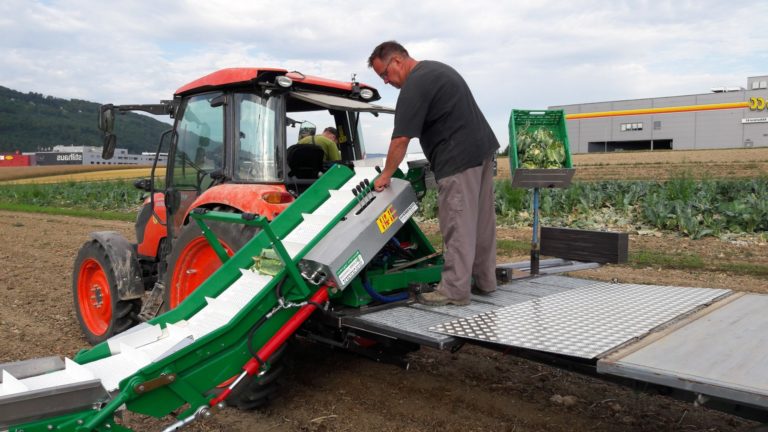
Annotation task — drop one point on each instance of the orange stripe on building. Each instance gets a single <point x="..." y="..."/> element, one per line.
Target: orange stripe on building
<point x="665" y="110"/>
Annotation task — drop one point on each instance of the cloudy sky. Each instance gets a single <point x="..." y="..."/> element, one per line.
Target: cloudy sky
<point x="522" y="54"/>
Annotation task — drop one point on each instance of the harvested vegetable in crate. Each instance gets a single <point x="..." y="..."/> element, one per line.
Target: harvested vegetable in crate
<point x="539" y="148"/>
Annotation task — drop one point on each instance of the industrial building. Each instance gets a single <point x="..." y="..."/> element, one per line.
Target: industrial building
<point x="89" y="155"/>
<point x="726" y="117"/>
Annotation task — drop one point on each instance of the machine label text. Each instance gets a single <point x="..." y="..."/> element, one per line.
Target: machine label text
<point x="351" y="268"/>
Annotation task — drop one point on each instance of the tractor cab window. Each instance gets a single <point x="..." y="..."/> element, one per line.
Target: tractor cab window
<point x="200" y="150"/>
<point x="258" y="153"/>
<point x="327" y="110"/>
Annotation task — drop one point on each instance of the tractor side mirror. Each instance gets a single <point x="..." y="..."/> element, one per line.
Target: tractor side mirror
<point x="107" y="118"/>
<point x="107" y="125"/>
<point x="110" y="142"/>
<point x="306" y="129"/>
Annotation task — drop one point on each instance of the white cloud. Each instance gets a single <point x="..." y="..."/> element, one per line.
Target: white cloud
<point x="522" y="54"/>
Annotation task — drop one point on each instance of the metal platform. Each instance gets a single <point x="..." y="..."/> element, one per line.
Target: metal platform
<point x="709" y="343"/>
<point x="412" y="321"/>
<point x="554" y="314"/>
<point x="583" y="322"/>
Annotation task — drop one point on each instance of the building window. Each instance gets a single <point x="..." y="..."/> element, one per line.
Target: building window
<point x="763" y="84"/>
<point x="631" y="127"/>
<point x="657" y="125"/>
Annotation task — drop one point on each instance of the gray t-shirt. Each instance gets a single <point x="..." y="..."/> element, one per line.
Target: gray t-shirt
<point x="436" y="106"/>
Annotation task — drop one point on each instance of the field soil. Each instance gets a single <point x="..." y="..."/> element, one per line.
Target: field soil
<point x="474" y="389"/>
<point x="663" y="164"/>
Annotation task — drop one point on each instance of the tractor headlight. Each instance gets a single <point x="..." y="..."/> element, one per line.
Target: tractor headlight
<point x="366" y="93"/>
<point x="284" y="81"/>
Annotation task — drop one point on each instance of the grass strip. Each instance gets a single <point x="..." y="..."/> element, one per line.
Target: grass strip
<point x="503" y="246"/>
<point x="742" y="268"/>
<point x="691" y="261"/>
<point x="512" y="247"/>
<point x="679" y="261"/>
<point x="86" y="213"/>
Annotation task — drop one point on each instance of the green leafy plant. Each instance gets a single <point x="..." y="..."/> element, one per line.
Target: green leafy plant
<point x="539" y="148"/>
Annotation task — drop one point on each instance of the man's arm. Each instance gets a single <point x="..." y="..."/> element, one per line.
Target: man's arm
<point x="395" y="155"/>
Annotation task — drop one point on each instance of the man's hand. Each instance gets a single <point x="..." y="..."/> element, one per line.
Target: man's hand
<point x="381" y="182"/>
<point x="395" y="155"/>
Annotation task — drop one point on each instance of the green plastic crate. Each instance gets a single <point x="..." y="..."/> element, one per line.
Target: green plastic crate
<point x="553" y="120"/>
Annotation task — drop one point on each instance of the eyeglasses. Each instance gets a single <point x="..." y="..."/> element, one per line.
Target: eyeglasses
<point x="385" y="74"/>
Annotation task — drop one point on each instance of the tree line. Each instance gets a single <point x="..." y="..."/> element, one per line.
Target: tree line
<point x="31" y="122"/>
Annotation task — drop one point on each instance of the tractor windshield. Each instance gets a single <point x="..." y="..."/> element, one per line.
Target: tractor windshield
<point x="257" y="150"/>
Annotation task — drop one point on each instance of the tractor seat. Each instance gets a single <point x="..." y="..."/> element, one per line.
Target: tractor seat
<point x="305" y="161"/>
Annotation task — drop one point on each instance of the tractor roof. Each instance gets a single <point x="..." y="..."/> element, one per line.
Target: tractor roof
<point x="233" y="77"/>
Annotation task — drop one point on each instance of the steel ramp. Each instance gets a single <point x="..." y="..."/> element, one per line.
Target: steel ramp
<point x="720" y="352"/>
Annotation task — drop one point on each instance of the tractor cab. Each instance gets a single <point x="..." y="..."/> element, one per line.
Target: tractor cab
<point x="234" y="147"/>
<point x="235" y="126"/>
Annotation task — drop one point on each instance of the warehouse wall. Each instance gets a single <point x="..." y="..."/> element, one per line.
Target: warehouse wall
<point x="707" y="129"/>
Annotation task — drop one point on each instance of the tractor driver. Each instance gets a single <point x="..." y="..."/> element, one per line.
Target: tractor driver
<point x="327" y="141"/>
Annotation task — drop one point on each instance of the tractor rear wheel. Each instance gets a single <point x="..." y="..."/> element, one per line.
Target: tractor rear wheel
<point x="192" y="259"/>
<point x="256" y="391"/>
<point x="98" y="307"/>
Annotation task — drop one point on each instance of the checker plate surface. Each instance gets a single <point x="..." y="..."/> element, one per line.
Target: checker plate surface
<point x="582" y="322"/>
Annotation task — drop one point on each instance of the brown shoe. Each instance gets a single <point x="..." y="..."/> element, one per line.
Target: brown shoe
<point x="434" y="298"/>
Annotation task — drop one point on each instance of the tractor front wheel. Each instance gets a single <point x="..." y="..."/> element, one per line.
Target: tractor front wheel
<point x="98" y="307"/>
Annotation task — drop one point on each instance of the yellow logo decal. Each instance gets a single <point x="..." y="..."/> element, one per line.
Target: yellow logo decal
<point x="386" y="219"/>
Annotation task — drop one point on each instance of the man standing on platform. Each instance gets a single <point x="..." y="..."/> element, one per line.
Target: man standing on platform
<point x="436" y="106"/>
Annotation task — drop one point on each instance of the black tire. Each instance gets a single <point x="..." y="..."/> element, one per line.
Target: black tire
<point x="255" y="391"/>
<point x="99" y="310"/>
<point x="191" y="251"/>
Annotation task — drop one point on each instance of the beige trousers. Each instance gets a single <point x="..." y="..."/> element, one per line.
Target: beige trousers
<point x="466" y="210"/>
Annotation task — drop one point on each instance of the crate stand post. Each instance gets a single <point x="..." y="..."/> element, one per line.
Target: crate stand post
<point x="537" y="178"/>
<point x="535" y="246"/>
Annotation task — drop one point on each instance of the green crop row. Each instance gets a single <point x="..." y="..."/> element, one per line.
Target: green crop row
<point x="692" y="207"/>
<point x="108" y="196"/>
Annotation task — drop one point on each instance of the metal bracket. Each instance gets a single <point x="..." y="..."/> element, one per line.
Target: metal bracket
<point x="161" y="381"/>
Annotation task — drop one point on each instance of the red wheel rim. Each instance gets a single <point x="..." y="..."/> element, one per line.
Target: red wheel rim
<point x="93" y="297"/>
<point x="196" y="262"/>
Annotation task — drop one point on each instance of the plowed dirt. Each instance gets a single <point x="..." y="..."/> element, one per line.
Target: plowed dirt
<point x="474" y="389"/>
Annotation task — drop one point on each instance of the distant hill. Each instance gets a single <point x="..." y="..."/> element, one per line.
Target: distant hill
<point x="34" y="122"/>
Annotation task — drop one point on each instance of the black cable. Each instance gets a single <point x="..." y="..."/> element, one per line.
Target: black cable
<point x="263" y="319"/>
<point x="260" y="322"/>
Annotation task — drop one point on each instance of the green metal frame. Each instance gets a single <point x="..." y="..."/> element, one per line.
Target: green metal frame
<point x="221" y="354"/>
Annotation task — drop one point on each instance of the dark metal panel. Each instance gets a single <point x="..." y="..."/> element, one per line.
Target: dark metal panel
<point x="585" y="245"/>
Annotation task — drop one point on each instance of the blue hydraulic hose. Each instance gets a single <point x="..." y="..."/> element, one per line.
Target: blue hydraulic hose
<point x="382" y="298"/>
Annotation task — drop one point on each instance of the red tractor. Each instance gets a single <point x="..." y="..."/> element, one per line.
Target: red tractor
<point x="229" y="150"/>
